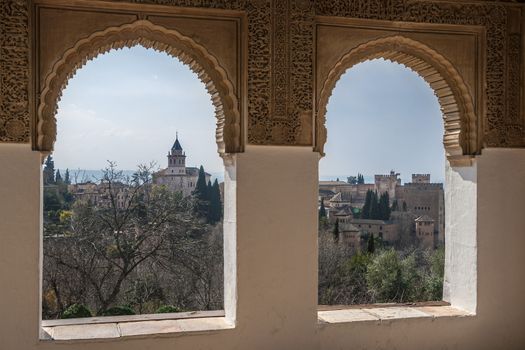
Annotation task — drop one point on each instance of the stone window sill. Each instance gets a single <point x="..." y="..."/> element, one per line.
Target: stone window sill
<point x="379" y="313"/>
<point x="97" y="328"/>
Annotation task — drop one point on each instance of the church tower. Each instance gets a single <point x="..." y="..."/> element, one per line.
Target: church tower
<point x="176" y="159"/>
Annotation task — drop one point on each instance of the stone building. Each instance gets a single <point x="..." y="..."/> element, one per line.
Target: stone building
<point x="386" y="230"/>
<point x="177" y="177"/>
<point x="387" y="183"/>
<point x="100" y="194"/>
<point x="425" y="198"/>
<point x="425" y="231"/>
<point x="354" y="194"/>
<point x="421" y="197"/>
<point x="350" y="236"/>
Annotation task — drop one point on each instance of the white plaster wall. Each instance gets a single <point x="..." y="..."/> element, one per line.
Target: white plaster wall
<point x="276" y="255"/>
<point x="459" y="286"/>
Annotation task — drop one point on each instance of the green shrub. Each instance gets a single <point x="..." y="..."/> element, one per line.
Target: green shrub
<point x="164" y="309"/>
<point x="76" y="311"/>
<point x="119" y="311"/>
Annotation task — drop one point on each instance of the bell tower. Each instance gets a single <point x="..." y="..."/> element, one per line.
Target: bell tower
<point x="176" y="158"/>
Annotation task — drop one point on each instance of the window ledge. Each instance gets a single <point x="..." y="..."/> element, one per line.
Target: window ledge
<point x="131" y="326"/>
<point x="379" y="314"/>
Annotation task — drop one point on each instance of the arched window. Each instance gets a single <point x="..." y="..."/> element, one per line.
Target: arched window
<point x="384" y="123"/>
<point x="124" y="236"/>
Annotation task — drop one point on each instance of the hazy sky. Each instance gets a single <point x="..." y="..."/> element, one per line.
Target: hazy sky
<point x="381" y="117"/>
<point x="127" y="105"/>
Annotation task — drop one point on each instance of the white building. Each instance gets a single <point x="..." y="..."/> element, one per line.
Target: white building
<point x="177" y="177"/>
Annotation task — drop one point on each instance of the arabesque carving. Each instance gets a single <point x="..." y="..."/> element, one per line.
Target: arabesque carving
<point x="14" y="71"/>
<point x="280" y="51"/>
<point x="143" y="32"/>
<point x="500" y="126"/>
<point x="459" y="117"/>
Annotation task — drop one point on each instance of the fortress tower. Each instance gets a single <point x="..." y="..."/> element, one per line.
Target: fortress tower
<point x="421" y="178"/>
<point x="387" y="183"/>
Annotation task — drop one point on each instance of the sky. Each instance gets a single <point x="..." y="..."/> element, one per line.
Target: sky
<point x="381" y="117"/>
<point x="127" y="106"/>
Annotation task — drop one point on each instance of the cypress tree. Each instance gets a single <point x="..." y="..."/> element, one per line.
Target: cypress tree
<point x="395" y="206"/>
<point x="49" y="171"/>
<point x="371" y="245"/>
<point x="215" y="209"/>
<point x="374" y="207"/>
<point x="58" y="177"/>
<point x="387" y="206"/>
<point x="208" y="190"/>
<point x="67" y="178"/>
<point x="201" y="189"/>
<point x="336" y="230"/>
<point x="384" y="207"/>
<point x="322" y="210"/>
<point x="201" y="194"/>
<point x="217" y="191"/>
<point x="365" y="212"/>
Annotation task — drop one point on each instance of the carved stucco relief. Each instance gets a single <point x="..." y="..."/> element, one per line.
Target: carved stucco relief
<point x="14" y="72"/>
<point x="280" y="61"/>
<point x="503" y="124"/>
<point x="143" y="32"/>
<point x="453" y="95"/>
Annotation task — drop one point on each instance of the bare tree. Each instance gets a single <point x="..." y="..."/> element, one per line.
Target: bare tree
<point x="128" y="226"/>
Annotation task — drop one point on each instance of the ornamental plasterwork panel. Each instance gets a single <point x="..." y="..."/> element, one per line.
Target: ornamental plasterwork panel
<point x="503" y="124"/>
<point x="14" y="71"/>
<point x="455" y="99"/>
<point x="69" y="37"/>
<point x="280" y="61"/>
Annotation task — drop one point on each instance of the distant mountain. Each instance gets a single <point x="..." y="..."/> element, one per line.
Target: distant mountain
<point x="84" y="175"/>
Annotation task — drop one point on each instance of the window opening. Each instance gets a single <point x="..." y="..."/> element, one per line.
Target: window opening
<point x="133" y="192"/>
<point x="382" y="116"/>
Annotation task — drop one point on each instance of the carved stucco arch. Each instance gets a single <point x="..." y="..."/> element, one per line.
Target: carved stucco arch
<point x="149" y="35"/>
<point x="460" y="122"/>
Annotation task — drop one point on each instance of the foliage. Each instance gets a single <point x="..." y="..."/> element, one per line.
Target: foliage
<point x="435" y="275"/>
<point x="118" y="311"/>
<point x="215" y="208"/>
<point x="49" y="171"/>
<point x="376" y="208"/>
<point x="67" y="177"/>
<point x="154" y="250"/>
<point x="349" y="276"/>
<point x="371" y="248"/>
<point x="77" y="311"/>
<point x="201" y="205"/>
<point x="336" y="230"/>
<point x="384" y="207"/>
<point x="365" y="211"/>
<point x="322" y="210"/>
<point x="58" y="177"/>
<point x="395" y="205"/>
<point x="384" y="277"/>
<point x="165" y="309"/>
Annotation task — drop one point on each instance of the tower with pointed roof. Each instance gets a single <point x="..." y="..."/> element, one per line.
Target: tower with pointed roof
<point x="176" y="158"/>
<point x="177" y="177"/>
